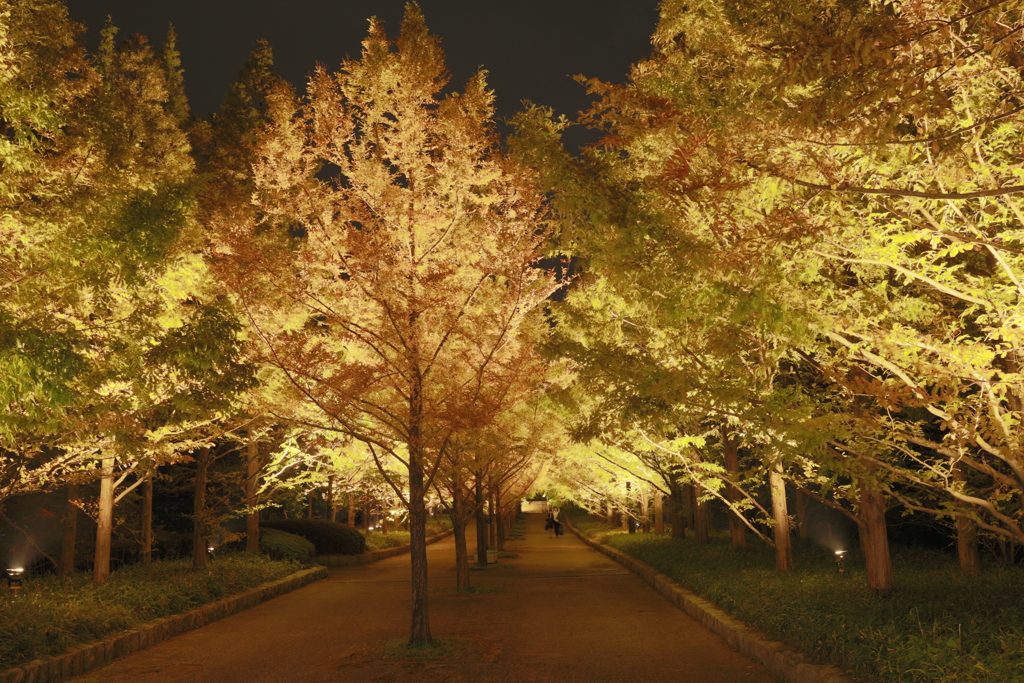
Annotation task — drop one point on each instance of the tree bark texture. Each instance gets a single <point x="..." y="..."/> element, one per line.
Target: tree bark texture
<point x="645" y="511"/>
<point x="737" y="527"/>
<point x="629" y="523"/>
<point x="252" y="478"/>
<point x="70" y="532"/>
<point x="419" y="630"/>
<point x="780" y="513"/>
<point x="199" y="551"/>
<point x="104" y="522"/>
<point x="481" y="524"/>
<point x="966" y="536"/>
<point x="659" y="513"/>
<point x="875" y="538"/>
<point x="146" y="520"/>
<point x="492" y="521"/>
<point x="499" y="524"/>
<point x="459" y="522"/>
<point x="967" y="545"/>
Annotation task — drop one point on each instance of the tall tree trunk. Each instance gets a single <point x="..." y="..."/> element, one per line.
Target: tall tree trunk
<point x="701" y="525"/>
<point x="645" y="513"/>
<point x="630" y="521"/>
<point x="737" y="527"/>
<point x="780" y="513"/>
<point x="481" y="524"/>
<point x="199" y="551"/>
<point x="492" y="522"/>
<point x="332" y="510"/>
<point x="801" y="514"/>
<point x="499" y="523"/>
<point x="967" y="545"/>
<point x="459" y="522"/>
<point x="70" y="532"/>
<point x="309" y="505"/>
<point x="610" y="516"/>
<point x="104" y="522"/>
<point x="874" y="536"/>
<point x="966" y="535"/>
<point x="419" y="630"/>
<point x="352" y="508"/>
<point x="677" y="497"/>
<point x="659" y="513"/>
<point x="689" y="508"/>
<point x="252" y="479"/>
<point x="146" y="554"/>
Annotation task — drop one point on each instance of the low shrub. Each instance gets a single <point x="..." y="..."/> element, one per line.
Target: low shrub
<point x="282" y="545"/>
<point x="329" y="538"/>
<point x="395" y="539"/>
<point x="938" y="626"/>
<point x="52" y="614"/>
<point x="392" y="539"/>
<point x="438" y="526"/>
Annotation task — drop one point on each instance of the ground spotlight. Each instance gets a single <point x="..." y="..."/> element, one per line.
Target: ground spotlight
<point x="841" y="560"/>
<point x="15" y="576"/>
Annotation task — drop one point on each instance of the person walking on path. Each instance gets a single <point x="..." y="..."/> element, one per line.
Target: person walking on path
<point x="555" y="523"/>
<point x="549" y="522"/>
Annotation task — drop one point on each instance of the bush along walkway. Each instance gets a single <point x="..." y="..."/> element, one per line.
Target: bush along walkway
<point x="784" y="663"/>
<point x="81" y="658"/>
<point x="373" y="555"/>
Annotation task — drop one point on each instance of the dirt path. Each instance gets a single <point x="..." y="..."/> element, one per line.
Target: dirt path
<point x="558" y="612"/>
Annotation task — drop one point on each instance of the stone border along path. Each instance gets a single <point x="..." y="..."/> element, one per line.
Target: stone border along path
<point x="787" y="665"/>
<point x="82" y="658"/>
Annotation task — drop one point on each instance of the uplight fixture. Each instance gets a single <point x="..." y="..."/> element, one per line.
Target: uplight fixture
<point x="841" y="560"/>
<point x="15" y="576"/>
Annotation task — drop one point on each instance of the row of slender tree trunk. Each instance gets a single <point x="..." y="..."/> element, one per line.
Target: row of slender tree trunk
<point x="689" y="512"/>
<point x="105" y="515"/>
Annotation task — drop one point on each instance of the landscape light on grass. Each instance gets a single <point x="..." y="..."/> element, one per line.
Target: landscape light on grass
<point x="15" y="576"/>
<point x="841" y="560"/>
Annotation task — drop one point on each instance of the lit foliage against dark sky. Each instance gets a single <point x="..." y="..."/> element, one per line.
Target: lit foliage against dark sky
<point x="530" y="47"/>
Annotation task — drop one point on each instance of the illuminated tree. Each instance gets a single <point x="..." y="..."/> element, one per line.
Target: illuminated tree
<point x="846" y="171"/>
<point x="391" y="264"/>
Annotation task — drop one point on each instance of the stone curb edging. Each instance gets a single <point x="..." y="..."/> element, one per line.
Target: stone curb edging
<point x="81" y="658"/>
<point x="370" y="555"/>
<point x="786" y="665"/>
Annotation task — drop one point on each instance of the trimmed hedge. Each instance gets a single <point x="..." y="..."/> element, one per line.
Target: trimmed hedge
<point x="282" y="545"/>
<point x="329" y="538"/>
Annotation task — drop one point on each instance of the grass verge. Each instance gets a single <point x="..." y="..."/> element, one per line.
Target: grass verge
<point x="51" y="614"/>
<point x="938" y="626"/>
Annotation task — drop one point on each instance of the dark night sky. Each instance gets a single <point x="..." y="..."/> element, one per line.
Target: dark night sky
<point x="530" y="47"/>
